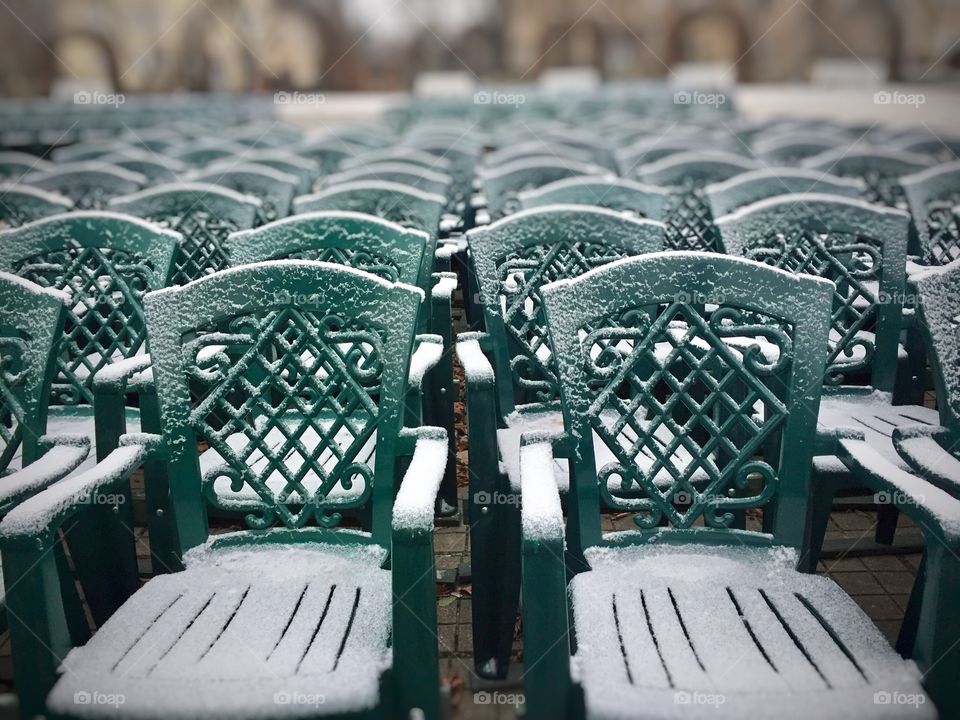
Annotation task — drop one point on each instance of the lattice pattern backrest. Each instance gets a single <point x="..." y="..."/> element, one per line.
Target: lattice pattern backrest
<point x="105" y="262"/>
<point x="21" y="204"/>
<point x="293" y="373"/>
<point x="30" y="322"/>
<point x="402" y="173"/>
<point x="345" y="238"/>
<point x="274" y="189"/>
<point x="613" y="194"/>
<point x="932" y="195"/>
<point x="751" y="187"/>
<point x="203" y="214"/>
<point x="502" y="184"/>
<point x="89" y="185"/>
<point x="397" y="203"/>
<point x="860" y="247"/>
<point x="880" y="170"/>
<point x="515" y="257"/>
<point x="938" y="292"/>
<point x="700" y="414"/>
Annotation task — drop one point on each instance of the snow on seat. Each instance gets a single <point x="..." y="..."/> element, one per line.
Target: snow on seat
<point x="873" y="414"/>
<point x="268" y="631"/>
<point x="696" y="631"/>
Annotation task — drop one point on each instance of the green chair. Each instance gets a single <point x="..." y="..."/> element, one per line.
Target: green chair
<point x="861" y="248"/>
<point x="749" y="187"/>
<point x="611" y="193"/>
<point x="403" y="173"/>
<point x="512" y="260"/>
<point x="503" y="183"/>
<point x="21" y="204"/>
<point x="156" y="168"/>
<point x="398" y="154"/>
<point x="327" y="152"/>
<point x="15" y="165"/>
<point x="880" y="168"/>
<point x="305" y="170"/>
<point x="687" y="216"/>
<point x="684" y="609"/>
<point x="931" y="196"/>
<point x="274" y="189"/>
<point x="651" y="149"/>
<point x="201" y="213"/>
<point x="794" y="147"/>
<point x="295" y="614"/>
<point x="204" y="152"/>
<point x="89" y="184"/>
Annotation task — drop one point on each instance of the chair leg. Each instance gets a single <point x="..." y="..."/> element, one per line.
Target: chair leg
<point x="887" y="516"/>
<point x="937" y="645"/>
<point x="821" y="501"/>
<point x="911" y="616"/>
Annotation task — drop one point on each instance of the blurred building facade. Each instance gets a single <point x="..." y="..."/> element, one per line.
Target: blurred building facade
<point x="165" y="45"/>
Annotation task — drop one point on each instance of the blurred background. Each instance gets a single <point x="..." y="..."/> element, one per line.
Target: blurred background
<point x="129" y="46"/>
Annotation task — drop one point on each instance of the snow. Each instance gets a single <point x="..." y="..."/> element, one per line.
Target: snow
<point x="87" y="166"/>
<point x="428" y="352"/>
<point x="42" y="228"/>
<point x="746" y="188"/>
<point x="31" y="287"/>
<point x="414" y="504"/>
<point x="9" y="192"/>
<point x="476" y="366"/>
<point x="665" y="170"/>
<point x="119" y="371"/>
<point x="35" y="515"/>
<point x="925" y="455"/>
<point x="540" y="511"/>
<point x="661" y="627"/>
<point x="389" y="168"/>
<point x="265" y="171"/>
<point x="611" y="192"/>
<point x="190" y="188"/>
<point x="843" y="159"/>
<point x="262" y="631"/>
<point x="304" y="201"/>
<point x="446" y="284"/>
<point x="56" y="463"/>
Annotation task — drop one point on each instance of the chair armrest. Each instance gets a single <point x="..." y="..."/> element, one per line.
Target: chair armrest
<point x="41" y="515"/>
<point x="476" y="367"/>
<point x="427" y="354"/>
<point x="65" y="454"/>
<point x="920" y="447"/>
<point x="110" y="387"/>
<point x="115" y="376"/>
<point x="541" y="514"/>
<point x="935" y="511"/>
<point x="446" y="283"/>
<point x="415" y="500"/>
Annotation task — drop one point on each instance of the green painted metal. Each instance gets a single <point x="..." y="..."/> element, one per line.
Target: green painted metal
<point x="881" y="170"/>
<point x="203" y="214"/>
<point x="403" y="173"/>
<point x="932" y="195"/>
<point x="90" y="184"/>
<point x="21" y="204"/>
<point x="614" y="194"/>
<point x="502" y="183"/>
<point x="750" y="187"/>
<point x="273" y="188"/>
<point x="513" y="259"/>
<point x="15" y="165"/>
<point x="305" y="170"/>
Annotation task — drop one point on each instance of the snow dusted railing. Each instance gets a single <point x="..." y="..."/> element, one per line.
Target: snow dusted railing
<point x="476" y="366"/>
<point x="414" y="504"/>
<point x="540" y="511"/>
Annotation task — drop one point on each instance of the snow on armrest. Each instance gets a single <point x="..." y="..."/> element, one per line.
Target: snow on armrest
<point x="540" y="512"/>
<point x="114" y="375"/>
<point x="428" y="353"/>
<point x="912" y="495"/>
<point x="58" y="462"/>
<point x="413" y="507"/>
<point x="918" y="446"/>
<point x="476" y="367"/>
<point x="446" y="284"/>
<point x="43" y="512"/>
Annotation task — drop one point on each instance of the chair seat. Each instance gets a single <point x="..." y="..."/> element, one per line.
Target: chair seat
<point x="508" y="441"/>
<point x="729" y="632"/>
<point x="267" y="631"/>
<point x="874" y="415"/>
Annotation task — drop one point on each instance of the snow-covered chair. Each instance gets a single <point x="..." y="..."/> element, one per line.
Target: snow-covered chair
<point x="606" y="192"/>
<point x="687" y="216"/>
<point x="750" y="187"/>
<point x="402" y="173"/>
<point x="89" y="184"/>
<point x="793" y="147"/>
<point x="202" y="214"/>
<point x="21" y="204"/>
<point x="513" y="258"/>
<point x="327" y="152"/>
<point x="501" y="184"/>
<point x="880" y="168"/>
<point x="305" y="170"/>
<point x="206" y="151"/>
<point x="275" y="189"/>
<point x="299" y="614"/>
<point x="14" y="165"/>
<point x="861" y="248"/>
<point x="155" y="167"/>
<point x="685" y="610"/>
<point x="931" y="197"/>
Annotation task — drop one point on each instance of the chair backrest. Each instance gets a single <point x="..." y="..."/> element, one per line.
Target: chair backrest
<point x="155" y="167"/>
<point x="403" y="173"/>
<point x="89" y="184"/>
<point x="204" y="152"/>
<point x="881" y="169"/>
<point x="326" y="152"/>
<point x="21" y="204"/>
<point x="749" y="187"/>
<point x="689" y="222"/>
<point x="651" y="149"/>
<point x="305" y="170"/>
<point x="611" y="193"/>
<point x="201" y="213"/>
<point x="397" y="203"/>
<point x="939" y="313"/>
<point x="31" y="323"/>
<point x="931" y="196"/>
<point x="365" y="242"/>
<point x="408" y="155"/>
<point x="671" y="391"/>
<point x="302" y="368"/>
<point x="535" y="148"/>
<point x="793" y="147"/>
<point x="860" y="247"/>
<point x="274" y="189"/>
<point x="105" y="262"/>
<point x="514" y="257"/>
<point x="503" y="183"/>
<point x="14" y="165"/>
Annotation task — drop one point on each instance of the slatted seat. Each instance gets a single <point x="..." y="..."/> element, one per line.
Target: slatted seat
<point x="701" y="632"/>
<point x="271" y="632"/>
